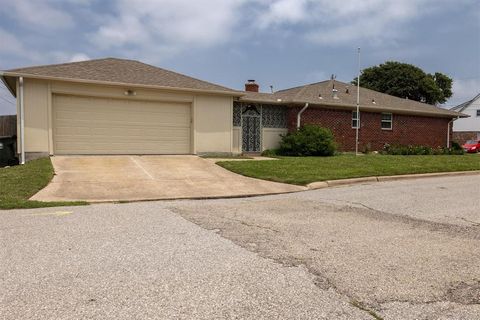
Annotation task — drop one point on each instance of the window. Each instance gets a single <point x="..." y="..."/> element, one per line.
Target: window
<point x="274" y="116"/>
<point x="478" y="112"/>
<point x="355" y="120"/>
<point x="387" y="119"/>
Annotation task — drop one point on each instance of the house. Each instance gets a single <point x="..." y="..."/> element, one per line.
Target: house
<point x="116" y="106"/>
<point x="467" y="128"/>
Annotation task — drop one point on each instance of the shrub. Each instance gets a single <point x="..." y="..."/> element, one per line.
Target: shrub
<point x="270" y="153"/>
<point x="456" y="146"/>
<point x="408" y="150"/>
<point x="309" y="140"/>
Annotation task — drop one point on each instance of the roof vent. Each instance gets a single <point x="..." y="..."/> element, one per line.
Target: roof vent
<point x="347" y="90"/>
<point x="334" y="91"/>
<point x="373" y="101"/>
<point x="335" y="94"/>
<point x="320" y="96"/>
<point x="251" y="86"/>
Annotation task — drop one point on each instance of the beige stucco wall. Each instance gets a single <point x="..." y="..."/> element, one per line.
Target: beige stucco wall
<point x="237" y="140"/>
<point x="211" y="115"/>
<point x="213" y="124"/>
<point x="271" y="137"/>
<point x="36" y="116"/>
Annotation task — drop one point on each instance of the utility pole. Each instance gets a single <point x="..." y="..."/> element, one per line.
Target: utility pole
<point x="358" y="106"/>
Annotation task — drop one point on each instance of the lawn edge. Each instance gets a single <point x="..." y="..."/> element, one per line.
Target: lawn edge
<point x="353" y="181"/>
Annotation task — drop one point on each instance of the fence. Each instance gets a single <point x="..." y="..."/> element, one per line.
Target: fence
<point x="8" y="125"/>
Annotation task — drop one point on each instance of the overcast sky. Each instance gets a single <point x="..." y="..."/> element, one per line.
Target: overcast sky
<point x="283" y="43"/>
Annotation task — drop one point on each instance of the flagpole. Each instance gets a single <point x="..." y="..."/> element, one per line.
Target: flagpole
<point x="358" y="105"/>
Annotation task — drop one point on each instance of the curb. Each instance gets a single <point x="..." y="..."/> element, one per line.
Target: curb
<point x="353" y="181"/>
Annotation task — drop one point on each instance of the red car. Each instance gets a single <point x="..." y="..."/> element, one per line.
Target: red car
<point x="472" y="146"/>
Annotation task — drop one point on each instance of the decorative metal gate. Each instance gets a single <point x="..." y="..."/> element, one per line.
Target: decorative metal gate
<point x="251" y="129"/>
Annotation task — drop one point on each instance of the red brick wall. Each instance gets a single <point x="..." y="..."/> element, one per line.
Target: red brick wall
<point x="414" y="130"/>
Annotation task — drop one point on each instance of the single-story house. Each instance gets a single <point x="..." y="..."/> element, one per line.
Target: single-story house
<point x="467" y="128"/>
<point x="116" y="106"/>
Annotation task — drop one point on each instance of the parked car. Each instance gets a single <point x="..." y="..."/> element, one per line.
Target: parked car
<point x="471" y="146"/>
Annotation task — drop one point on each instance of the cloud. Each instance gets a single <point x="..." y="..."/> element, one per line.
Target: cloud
<point x="10" y="43"/>
<point x="334" y="23"/>
<point x="283" y="12"/>
<point x="464" y="90"/>
<point x="77" y="57"/>
<point x="38" y="14"/>
<point x="168" y="25"/>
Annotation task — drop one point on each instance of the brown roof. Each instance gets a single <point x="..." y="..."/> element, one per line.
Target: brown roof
<point x="119" y="71"/>
<point x="321" y="94"/>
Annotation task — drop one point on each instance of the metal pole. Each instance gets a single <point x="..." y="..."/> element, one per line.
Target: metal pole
<point x="22" y="122"/>
<point x="358" y="105"/>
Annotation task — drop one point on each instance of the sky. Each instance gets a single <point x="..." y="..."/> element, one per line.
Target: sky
<point x="279" y="43"/>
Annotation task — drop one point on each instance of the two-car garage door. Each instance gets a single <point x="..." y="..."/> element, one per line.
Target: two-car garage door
<point x="90" y="125"/>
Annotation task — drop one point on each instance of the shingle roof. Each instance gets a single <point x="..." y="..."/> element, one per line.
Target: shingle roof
<point x="320" y="93"/>
<point x="119" y="71"/>
<point x="465" y="105"/>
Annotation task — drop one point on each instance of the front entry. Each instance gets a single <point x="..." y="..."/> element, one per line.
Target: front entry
<point x="251" y="132"/>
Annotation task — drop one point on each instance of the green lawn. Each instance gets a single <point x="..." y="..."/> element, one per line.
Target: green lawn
<point x="304" y="170"/>
<point x="19" y="183"/>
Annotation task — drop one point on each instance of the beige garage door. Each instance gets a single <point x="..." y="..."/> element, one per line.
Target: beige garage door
<point x="88" y="125"/>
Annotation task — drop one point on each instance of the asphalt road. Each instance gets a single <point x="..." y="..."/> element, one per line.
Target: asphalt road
<point x="394" y="250"/>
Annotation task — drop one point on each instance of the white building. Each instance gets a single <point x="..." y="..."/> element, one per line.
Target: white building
<point x="467" y="128"/>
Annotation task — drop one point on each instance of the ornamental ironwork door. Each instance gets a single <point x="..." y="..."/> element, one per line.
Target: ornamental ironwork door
<point x="251" y="129"/>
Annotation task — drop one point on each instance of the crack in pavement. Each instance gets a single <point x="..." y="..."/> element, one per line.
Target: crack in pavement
<point x="320" y="280"/>
<point x="470" y="232"/>
<point x="292" y="244"/>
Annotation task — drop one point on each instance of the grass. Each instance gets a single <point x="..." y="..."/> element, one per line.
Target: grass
<point x="304" y="170"/>
<point x="19" y="183"/>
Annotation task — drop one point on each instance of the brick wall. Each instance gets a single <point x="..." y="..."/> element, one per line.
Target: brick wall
<point x="462" y="136"/>
<point x="415" y="130"/>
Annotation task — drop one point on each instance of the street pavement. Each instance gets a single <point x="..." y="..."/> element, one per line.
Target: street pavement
<point x="391" y="250"/>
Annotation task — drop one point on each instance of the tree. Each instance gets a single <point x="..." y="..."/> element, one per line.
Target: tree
<point x="407" y="81"/>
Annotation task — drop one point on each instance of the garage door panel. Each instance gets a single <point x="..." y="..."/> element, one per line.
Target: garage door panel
<point x="120" y="148"/>
<point x="84" y="125"/>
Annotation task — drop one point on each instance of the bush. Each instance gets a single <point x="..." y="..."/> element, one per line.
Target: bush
<point x="419" y="150"/>
<point x="456" y="146"/>
<point x="309" y="140"/>
<point x="270" y="153"/>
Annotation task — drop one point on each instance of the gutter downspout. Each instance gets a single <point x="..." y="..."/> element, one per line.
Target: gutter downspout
<point x="448" y="131"/>
<point x="300" y="114"/>
<point x="22" y="122"/>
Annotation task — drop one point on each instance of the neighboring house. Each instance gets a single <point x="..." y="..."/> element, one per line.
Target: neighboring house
<point x="115" y="106"/>
<point x="467" y="128"/>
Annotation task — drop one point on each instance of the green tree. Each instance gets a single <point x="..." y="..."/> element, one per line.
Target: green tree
<point x="407" y="81"/>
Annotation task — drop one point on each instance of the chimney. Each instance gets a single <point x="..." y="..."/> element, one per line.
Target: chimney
<point x="251" y="86"/>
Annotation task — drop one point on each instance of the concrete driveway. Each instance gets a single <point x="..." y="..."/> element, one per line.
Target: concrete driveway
<point x="129" y="178"/>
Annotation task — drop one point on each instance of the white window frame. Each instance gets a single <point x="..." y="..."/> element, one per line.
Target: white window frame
<point x="357" y="119"/>
<point x="478" y="112"/>
<point x="387" y="121"/>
